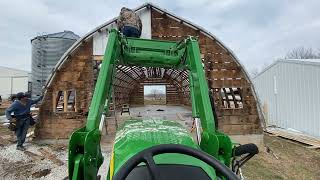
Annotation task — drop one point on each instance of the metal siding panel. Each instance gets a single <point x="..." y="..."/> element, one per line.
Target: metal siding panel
<point x="316" y="105"/>
<point x="5" y="89"/>
<point x="313" y="100"/>
<point x="277" y="120"/>
<point x="309" y="102"/>
<point x="145" y="16"/>
<point x="317" y="111"/>
<point x="100" y="40"/>
<point x="305" y="92"/>
<point x="297" y="103"/>
<point x="301" y="99"/>
<point x="283" y="101"/>
<point x="263" y="86"/>
<point x="19" y="81"/>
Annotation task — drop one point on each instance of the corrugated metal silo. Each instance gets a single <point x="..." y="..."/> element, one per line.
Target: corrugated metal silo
<point x="46" y="52"/>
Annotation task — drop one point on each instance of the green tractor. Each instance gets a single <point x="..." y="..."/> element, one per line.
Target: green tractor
<point x="156" y="149"/>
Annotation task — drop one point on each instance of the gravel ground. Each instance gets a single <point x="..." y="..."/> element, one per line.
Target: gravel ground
<point x="104" y="167"/>
<point x="17" y="165"/>
<point x="3" y="119"/>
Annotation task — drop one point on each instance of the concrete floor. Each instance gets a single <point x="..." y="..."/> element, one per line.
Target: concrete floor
<point x="166" y="112"/>
<point x="181" y="114"/>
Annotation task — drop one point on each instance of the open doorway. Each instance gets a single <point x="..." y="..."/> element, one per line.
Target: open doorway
<point x="154" y="94"/>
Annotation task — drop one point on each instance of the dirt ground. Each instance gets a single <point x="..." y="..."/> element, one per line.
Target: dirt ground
<point x="287" y="160"/>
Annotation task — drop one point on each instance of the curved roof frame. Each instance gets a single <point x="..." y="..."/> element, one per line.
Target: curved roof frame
<point x="146" y="5"/>
<point x="163" y="11"/>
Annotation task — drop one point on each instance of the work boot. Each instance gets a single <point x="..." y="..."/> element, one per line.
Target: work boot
<point x="21" y="148"/>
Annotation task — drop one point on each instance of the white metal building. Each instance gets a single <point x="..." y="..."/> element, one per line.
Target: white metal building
<point x="289" y="91"/>
<point x="13" y="81"/>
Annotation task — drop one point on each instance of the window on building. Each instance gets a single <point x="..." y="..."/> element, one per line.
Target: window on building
<point x="64" y="101"/>
<point x="231" y="98"/>
<point x="154" y="94"/>
<point x="58" y="101"/>
<point x="71" y="100"/>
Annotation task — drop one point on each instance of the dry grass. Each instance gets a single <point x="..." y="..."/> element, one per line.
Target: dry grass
<point x="295" y="161"/>
<point x="149" y="101"/>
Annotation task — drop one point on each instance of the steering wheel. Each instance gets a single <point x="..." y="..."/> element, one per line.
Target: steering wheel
<point x="147" y="155"/>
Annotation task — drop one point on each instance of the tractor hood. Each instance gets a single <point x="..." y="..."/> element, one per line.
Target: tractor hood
<point x="137" y="135"/>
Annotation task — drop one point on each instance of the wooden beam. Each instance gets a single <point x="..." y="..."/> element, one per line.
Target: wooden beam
<point x="54" y="101"/>
<point x="65" y="101"/>
<point x="127" y="74"/>
<point x="75" y="101"/>
<point x="133" y="70"/>
<point x="97" y="57"/>
<point x="234" y="98"/>
<point x="226" y="96"/>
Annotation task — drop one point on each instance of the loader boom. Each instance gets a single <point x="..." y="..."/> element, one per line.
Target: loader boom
<point x="85" y="156"/>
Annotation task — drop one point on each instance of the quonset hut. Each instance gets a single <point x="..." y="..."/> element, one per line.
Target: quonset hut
<point x="73" y="79"/>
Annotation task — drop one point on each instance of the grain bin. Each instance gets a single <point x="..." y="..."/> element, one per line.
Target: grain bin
<point x="46" y="52"/>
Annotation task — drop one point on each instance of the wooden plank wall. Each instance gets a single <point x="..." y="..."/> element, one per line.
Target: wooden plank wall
<point x="80" y="71"/>
<point x="221" y="71"/>
<point x="137" y="96"/>
<point x="75" y="74"/>
<point x="172" y="95"/>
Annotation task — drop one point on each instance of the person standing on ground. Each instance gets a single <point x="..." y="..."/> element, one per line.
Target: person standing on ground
<point x="21" y="111"/>
<point x="129" y="23"/>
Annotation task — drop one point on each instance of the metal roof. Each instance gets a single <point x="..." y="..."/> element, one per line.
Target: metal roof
<point x="313" y="62"/>
<point x="63" y="35"/>
<point x="13" y="69"/>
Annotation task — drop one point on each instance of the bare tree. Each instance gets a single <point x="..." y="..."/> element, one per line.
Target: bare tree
<point x="155" y="93"/>
<point x="302" y="53"/>
<point x="255" y="71"/>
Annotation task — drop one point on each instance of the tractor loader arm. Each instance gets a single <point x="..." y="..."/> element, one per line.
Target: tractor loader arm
<point x="85" y="155"/>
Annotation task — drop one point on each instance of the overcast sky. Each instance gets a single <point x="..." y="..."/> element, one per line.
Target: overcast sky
<point x="258" y="31"/>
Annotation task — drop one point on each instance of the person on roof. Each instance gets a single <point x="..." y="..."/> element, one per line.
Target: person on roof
<point x="129" y="23"/>
<point x="21" y="116"/>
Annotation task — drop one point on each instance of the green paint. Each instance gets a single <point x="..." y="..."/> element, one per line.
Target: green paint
<point x="137" y="135"/>
<point x="85" y="156"/>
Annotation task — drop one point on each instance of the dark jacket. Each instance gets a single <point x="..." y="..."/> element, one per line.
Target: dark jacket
<point x="19" y="110"/>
